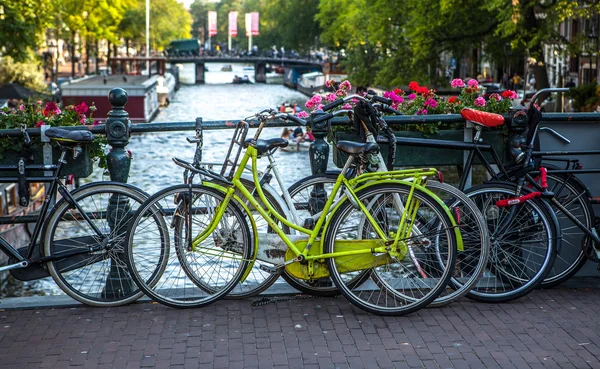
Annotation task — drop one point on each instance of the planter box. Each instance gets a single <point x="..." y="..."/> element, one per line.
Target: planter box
<point x="408" y="156"/>
<point x="81" y="167"/>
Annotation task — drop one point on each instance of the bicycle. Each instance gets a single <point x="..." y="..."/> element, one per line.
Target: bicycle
<point x="217" y="232"/>
<point x="82" y="233"/>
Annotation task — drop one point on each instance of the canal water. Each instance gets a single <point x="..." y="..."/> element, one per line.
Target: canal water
<point x="152" y="168"/>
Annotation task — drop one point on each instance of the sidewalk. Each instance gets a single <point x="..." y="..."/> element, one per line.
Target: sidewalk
<point x="548" y="329"/>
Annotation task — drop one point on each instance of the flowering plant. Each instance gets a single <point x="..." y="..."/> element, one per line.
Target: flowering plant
<point x="421" y="100"/>
<point x="38" y="114"/>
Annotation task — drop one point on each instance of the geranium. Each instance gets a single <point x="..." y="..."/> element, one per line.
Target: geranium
<point x="473" y="83"/>
<point x="330" y="83"/>
<point x="495" y="96"/>
<point x="480" y="101"/>
<point x="411" y="96"/>
<point x="453" y="99"/>
<point x="302" y="115"/>
<point x="422" y="112"/>
<point x="457" y="83"/>
<point x="431" y="102"/>
<point x="341" y="93"/>
<point x="81" y="108"/>
<point x="509" y="94"/>
<point x="346" y="85"/>
<point x="346" y="106"/>
<point x="393" y="96"/>
<point x="330" y="97"/>
<point x="422" y="90"/>
<point x="413" y="86"/>
<point x="51" y="109"/>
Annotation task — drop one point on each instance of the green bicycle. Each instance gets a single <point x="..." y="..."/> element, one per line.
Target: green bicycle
<point x="386" y="258"/>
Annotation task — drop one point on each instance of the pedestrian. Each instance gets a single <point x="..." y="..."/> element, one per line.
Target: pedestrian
<point x="516" y="81"/>
<point x="505" y="82"/>
<point x="532" y="83"/>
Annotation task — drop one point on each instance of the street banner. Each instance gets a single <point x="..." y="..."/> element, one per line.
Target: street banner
<point x="252" y="24"/>
<point x="233" y="24"/>
<point x="212" y="23"/>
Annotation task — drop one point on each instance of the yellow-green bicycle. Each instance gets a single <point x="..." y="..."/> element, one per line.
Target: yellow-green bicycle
<point x="389" y="245"/>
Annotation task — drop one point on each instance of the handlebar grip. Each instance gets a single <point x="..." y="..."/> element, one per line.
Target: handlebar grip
<point x="323" y="117"/>
<point x="383" y="100"/>
<point x="295" y="119"/>
<point x="332" y="105"/>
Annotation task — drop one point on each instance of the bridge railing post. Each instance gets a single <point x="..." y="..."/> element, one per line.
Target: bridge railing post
<point x="118" y="130"/>
<point x="319" y="157"/>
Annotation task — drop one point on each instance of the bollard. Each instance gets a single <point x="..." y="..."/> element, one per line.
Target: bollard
<point x="319" y="157"/>
<point x="118" y="130"/>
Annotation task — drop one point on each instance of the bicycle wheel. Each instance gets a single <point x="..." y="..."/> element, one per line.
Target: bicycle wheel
<point x="403" y="281"/>
<point x="523" y="238"/>
<point x="306" y="206"/>
<point x="210" y="269"/>
<point x="258" y="279"/>
<point x="573" y="195"/>
<point x="472" y="259"/>
<point x="98" y="277"/>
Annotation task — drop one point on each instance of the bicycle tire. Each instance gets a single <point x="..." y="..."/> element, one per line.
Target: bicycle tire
<point x="322" y="287"/>
<point x="94" y="282"/>
<point x="227" y="249"/>
<point x="258" y="280"/>
<point x="570" y="258"/>
<point x="406" y="275"/>
<point x="515" y="243"/>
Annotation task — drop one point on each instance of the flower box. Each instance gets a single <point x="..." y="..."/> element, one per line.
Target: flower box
<point x="81" y="167"/>
<point x="408" y="156"/>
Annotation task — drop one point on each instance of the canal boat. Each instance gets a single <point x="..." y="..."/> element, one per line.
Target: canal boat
<point x="311" y="83"/>
<point x="226" y="68"/>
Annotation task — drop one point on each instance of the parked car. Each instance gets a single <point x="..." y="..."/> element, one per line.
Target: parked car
<point x="491" y="88"/>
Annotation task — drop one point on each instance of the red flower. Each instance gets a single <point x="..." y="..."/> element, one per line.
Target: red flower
<point x="422" y="90"/>
<point x="81" y="108"/>
<point x="453" y="99"/>
<point x="398" y="92"/>
<point x="508" y="94"/>
<point x="413" y="86"/>
<point x="50" y="109"/>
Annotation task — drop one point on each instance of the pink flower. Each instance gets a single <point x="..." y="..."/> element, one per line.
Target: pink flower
<point x="39" y="102"/>
<point x="341" y="93"/>
<point x="51" y="109"/>
<point x="346" y="85"/>
<point x="472" y="83"/>
<point x="302" y="114"/>
<point x="480" y="101"/>
<point x="457" y="83"/>
<point x="21" y="107"/>
<point x="431" y="102"/>
<point x="81" y="108"/>
<point x="330" y="97"/>
<point x="509" y="94"/>
<point x="319" y="107"/>
<point x="330" y="83"/>
<point x="411" y="96"/>
<point x="392" y="96"/>
<point x="316" y="99"/>
<point x="96" y="122"/>
<point x="346" y="106"/>
<point x="495" y="96"/>
<point x="82" y="120"/>
<point x="422" y="112"/>
<point x="39" y="124"/>
<point x="309" y="104"/>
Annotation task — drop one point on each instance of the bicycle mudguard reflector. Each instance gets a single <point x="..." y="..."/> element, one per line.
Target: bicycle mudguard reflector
<point x="347" y="264"/>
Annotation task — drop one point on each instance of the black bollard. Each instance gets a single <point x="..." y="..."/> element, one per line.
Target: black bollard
<point x="319" y="157"/>
<point x="118" y="130"/>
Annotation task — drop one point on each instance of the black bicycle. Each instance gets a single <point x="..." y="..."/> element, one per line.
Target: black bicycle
<point x="82" y="235"/>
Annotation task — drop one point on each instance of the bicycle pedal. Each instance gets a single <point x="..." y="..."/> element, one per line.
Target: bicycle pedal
<point x="268" y="269"/>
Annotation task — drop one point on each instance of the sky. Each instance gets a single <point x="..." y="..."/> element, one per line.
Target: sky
<point x="187" y="3"/>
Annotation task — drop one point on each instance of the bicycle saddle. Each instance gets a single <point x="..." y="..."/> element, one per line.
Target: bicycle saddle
<point x="69" y="137"/>
<point x="263" y="146"/>
<point x="353" y="148"/>
<point x="482" y="118"/>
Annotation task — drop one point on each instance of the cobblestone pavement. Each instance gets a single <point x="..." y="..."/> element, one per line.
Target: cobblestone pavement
<point x="547" y="329"/>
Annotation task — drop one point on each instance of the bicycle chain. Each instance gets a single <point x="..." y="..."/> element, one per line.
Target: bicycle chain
<point x="268" y="300"/>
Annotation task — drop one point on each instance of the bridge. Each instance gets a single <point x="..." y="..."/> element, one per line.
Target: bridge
<point x="294" y="67"/>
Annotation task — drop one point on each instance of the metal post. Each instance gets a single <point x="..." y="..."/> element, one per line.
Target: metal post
<point x="118" y="130"/>
<point x="319" y="157"/>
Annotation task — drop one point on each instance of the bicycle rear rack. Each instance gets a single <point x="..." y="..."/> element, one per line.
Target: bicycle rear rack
<point x="239" y="136"/>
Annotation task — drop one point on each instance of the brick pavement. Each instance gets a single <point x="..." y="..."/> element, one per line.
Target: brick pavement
<point x="547" y="329"/>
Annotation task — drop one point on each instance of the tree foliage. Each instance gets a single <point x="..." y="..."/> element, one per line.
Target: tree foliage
<point x="22" y="24"/>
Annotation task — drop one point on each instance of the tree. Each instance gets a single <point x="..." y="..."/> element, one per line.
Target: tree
<point x="22" y="25"/>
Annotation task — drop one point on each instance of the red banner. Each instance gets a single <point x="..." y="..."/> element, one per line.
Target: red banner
<point x="212" y="23"/>
<point x="252" y="24"/>
<point x="233" y="24"/>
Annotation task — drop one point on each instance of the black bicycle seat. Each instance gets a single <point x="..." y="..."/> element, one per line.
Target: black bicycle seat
<point x="67" y="137"/>
<point x="353" y="148"/>
<point x="263" y="146"/>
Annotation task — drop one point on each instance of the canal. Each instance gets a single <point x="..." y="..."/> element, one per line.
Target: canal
<point x="152" y="168"/>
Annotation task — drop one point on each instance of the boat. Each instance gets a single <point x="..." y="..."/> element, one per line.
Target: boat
<point x="310" y="83"/>
<point x="241" y="80"/>
<point x="248" y="68"/>
<point x="165" y="89"/>
<point x="274" y="78"/>
<point x="226" y="68"/>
